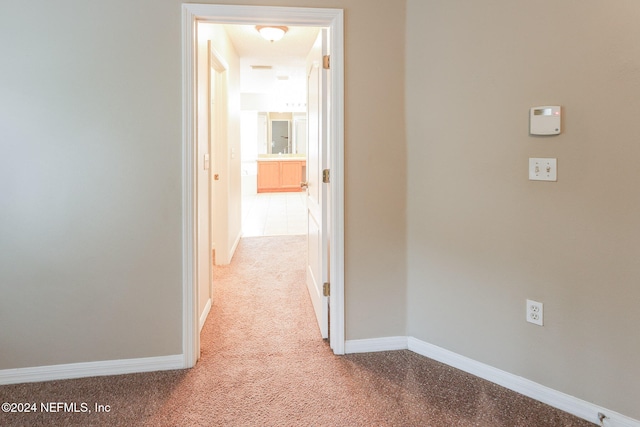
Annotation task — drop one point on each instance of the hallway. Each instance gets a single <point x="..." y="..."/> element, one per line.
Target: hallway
<point x="274" y="214"/>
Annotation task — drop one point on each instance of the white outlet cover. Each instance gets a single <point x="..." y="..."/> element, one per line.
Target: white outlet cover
<point x="543" y="169"/>
<point x="535" y="312"/>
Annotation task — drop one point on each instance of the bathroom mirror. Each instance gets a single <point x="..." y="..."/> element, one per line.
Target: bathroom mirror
<point x="280" y="131"/>
<point x="282" y="134"/>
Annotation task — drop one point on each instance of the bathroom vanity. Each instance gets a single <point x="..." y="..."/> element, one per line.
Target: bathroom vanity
<point x="278" y="173"/>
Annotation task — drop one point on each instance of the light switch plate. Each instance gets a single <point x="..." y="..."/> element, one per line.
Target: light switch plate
<point x="543" y="169"/>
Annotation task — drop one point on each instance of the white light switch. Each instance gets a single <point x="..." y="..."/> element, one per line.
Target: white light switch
<point x="541" y="169"/>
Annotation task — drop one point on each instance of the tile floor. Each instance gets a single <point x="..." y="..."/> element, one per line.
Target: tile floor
<point x="274" y="214"/>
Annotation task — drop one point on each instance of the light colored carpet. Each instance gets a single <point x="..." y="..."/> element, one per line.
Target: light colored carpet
<point x="264" y="364"/>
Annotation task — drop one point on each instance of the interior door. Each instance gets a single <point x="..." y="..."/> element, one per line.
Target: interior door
<point x="317" y="191"/>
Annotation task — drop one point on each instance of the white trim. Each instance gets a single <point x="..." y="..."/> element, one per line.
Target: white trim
<point x="235" y="245"/>
<point x="205" y="314"/>
<point x="373" y="345"/>
<point x="336" y="164"/>
<point x="539" y="392"/>
<point x="90" y="369"/>
<point x="557" y="399"/>
<point x="190" y="335"/>
<point x="267" y="15"/>
<point x="217" y="61"/>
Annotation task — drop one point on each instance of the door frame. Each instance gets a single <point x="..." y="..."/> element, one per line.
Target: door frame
<point x="263" y="15"/>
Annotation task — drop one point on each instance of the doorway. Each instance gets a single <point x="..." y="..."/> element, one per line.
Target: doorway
<point x="250" y="15"/>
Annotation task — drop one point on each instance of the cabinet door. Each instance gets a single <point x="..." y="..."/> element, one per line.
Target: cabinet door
<point x="290" y="175"/>
<point x="268" y="176"/>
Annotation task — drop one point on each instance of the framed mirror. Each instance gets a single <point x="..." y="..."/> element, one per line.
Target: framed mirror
<point x="280" y="136"/>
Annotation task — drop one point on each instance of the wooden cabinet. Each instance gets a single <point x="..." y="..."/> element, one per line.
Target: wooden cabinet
<point x="268" y="176"/>
<point x="291" y="175"/>
<point x="284" y="175"/>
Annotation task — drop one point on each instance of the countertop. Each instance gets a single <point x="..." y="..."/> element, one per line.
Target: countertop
<point x="281" y="158"/>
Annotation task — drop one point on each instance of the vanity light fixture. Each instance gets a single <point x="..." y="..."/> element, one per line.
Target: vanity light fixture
<point x="271" y="33"/>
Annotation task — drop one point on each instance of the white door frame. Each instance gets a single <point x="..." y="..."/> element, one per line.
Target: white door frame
<point x="265" y="15"/>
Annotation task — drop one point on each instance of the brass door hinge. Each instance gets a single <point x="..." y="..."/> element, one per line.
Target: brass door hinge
<point x="326" y="289"/>
<point x="325" y="176"/>
<point x="326" y="62"/>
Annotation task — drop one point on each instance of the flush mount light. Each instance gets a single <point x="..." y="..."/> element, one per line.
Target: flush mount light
<point x="271" y="33"/>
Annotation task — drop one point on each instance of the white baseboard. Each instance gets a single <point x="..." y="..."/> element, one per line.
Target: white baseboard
<point x="235" y="245"/>
<point x="375" y="344"/>
<point x="91" y="369"/>
<point x="551" y="397"/>
<point x="205" y="313"/>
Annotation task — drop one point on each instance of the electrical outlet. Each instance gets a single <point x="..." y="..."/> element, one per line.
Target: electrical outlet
<point x="534" y="312"/>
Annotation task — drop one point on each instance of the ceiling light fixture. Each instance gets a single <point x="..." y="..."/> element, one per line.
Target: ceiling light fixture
<point x="271" y="33"/>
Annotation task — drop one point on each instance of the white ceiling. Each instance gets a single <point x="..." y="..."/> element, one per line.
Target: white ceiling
<point x="296" y="43"/>
<point x="283" y="85"/>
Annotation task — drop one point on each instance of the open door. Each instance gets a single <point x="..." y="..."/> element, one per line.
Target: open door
<point x="317" y="191"/>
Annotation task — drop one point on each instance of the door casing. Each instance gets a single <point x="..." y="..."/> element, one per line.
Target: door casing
<point x="333" y="19"/>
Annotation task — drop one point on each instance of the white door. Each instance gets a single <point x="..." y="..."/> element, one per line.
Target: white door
<point x="317" y="191"/>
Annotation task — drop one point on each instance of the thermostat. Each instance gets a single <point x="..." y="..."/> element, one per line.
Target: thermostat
<point x="545" y="120"/>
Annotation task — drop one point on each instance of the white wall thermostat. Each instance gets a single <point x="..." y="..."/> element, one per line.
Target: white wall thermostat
<point x="545" y="120"/>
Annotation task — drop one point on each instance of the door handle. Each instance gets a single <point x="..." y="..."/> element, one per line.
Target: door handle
<point x="304" y="184"/>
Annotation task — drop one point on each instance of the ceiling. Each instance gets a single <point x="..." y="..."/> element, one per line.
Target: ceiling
<point x="294" y="46"/>
<point x="272" y="74"/>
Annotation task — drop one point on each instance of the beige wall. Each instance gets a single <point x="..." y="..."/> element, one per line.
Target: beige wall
<point x="90" y="177"/>
<point x="90" y="182"/>
<point x="481" y="237"/>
